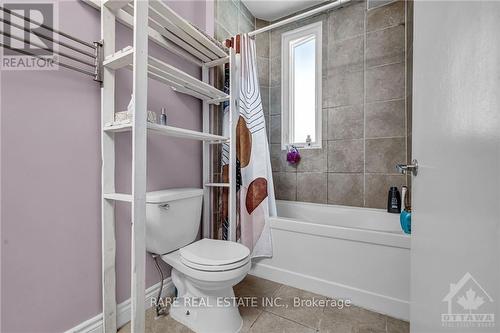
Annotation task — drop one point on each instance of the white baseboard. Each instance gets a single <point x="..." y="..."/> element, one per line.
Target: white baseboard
<point x="94" y="325"/>
<point x="387" y="305"/>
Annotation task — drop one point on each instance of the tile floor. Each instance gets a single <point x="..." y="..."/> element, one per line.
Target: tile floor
<point x="283" y="319"/>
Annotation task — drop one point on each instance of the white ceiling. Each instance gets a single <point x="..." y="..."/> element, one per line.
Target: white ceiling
<point x="271" y="10"/>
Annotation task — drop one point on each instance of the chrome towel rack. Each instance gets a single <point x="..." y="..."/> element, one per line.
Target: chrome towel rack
<point x="78" y="55"/>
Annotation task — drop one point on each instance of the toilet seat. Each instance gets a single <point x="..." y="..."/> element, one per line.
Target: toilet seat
<point x="214" y="255"/>
<point x="215" y="268"/>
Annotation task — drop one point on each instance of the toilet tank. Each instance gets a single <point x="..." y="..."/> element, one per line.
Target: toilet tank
<point x="172" y="218"/>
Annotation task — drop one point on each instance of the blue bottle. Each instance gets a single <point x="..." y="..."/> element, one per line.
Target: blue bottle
<point x="405" y="221"/>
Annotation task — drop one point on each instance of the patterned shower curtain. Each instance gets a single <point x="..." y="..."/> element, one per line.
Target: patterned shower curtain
<point x="255" y="190"/>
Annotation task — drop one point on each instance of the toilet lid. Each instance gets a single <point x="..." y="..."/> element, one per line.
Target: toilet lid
<point x="211" y="252"/>
<point x="217" y="268"/>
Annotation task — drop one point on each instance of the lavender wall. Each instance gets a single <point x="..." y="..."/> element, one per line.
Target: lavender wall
<point x="50" y="169"/>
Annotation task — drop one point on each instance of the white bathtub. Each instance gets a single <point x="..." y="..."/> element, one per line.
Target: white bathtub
<point x="359" y="254"/>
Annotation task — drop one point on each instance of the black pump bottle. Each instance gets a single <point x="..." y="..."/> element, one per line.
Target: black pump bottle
<point x="394" y="200"/>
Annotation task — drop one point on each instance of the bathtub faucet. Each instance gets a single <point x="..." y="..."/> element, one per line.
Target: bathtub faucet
<point x="408" y="168"/>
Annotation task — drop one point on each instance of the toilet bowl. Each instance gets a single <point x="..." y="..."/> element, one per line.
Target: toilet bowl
<point x="203" y="271"/>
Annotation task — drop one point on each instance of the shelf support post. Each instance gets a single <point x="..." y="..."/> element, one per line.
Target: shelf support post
<point x="139" y="147"/>
<point x="108" y="24"/>
<point x="207" y="192"/>
<point x="233" y="123"/>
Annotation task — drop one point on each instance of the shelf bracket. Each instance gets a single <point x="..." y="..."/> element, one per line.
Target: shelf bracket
<point x="98" y="67"/>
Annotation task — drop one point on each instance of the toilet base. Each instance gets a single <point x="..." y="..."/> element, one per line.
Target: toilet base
<point x="211" y="309"/>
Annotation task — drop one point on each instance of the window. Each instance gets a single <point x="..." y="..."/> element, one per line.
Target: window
<point x="301" y="87"/>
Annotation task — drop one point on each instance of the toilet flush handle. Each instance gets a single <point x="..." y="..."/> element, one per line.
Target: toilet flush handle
<point x="165" y="206"/>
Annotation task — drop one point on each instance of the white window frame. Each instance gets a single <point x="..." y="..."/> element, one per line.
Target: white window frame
<point x="290" y="38"/>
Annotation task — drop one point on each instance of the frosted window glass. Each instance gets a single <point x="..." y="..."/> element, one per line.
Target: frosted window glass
<point x="304" y="88"/>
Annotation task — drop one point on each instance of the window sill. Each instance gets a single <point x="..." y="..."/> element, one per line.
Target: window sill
<point x="301" y="147"/>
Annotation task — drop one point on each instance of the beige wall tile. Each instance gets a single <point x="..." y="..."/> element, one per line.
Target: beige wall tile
<point x="385" y="16"/>
<point x="346" y="55"/>
<point x="227" y="15"/>
<point x="345" y="156"/>
<point x="347" y="22"/>
<point x="385" y="119"/>
<point x="344" y="88"/>
<point x="345" y="189"/>
<point x="275" y="129"/>
<point x="246" y="13"/>
<point x="345" y="122"/>
<point x="385" y="46"/>
<point x="348" y="123"/>
<point x="275" y="73"/>
<point x="285" y="185"/>
<point x="262" y="44"/>
<point x="276" y="156"/>
<point x="377" y="187"/>
<point x="382" y="155"/>
<point x="264" y="95"/>
<point x="385" y="83"/>
<point x="221" y="33"/>
<point x="312" y="187"/>
<point x="263" y="71"/>
<point x="275" y="100"/>
<point x="313" y="160"/>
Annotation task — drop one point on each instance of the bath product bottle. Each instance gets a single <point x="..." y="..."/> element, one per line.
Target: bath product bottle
<point x="405" y="221"/>
<point x="405" y="216"/>
<point x="394" y="200"/>
<point x="404" y="199"/>
<point x="163" y="117"/>
<point x="308" y="141"/>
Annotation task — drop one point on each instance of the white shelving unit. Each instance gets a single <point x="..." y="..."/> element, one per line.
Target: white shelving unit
<point x="155" y="21"/>
<point x="175" y="132"/>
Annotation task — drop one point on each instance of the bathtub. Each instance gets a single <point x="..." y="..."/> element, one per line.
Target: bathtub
<point x="359" y="254"/>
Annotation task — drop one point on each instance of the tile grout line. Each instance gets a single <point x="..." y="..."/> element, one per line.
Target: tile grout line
<point x="256" y="319"/>
<point x="327" y="111"/>
<point x="288" y="319"/>
<point x="386" y="64"/>
<point x="364" y="106"/>
<point x="406" y="89"/>
<point x="370" y="102"/>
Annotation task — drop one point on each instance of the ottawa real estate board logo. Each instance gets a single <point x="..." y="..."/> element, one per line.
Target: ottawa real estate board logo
<point x="27" y="36"/>
<point x="469" y="305"/>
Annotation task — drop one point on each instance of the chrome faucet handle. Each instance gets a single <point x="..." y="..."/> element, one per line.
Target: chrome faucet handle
<point x="408" y="168"/>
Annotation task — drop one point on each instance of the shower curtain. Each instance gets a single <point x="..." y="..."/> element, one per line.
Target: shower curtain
<point x="255" y="190"/>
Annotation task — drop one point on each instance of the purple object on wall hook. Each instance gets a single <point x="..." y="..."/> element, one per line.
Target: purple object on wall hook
<point x="293" y="155"/>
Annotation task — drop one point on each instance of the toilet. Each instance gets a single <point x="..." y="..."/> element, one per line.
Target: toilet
<point x="203" y="271"/>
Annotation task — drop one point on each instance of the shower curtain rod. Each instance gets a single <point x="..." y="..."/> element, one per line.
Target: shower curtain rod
<point x="332" y="5"/>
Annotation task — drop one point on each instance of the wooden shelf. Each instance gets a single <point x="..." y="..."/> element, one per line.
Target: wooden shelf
<point x="217" y="185"/>
<point x="118" y="197"/>
<point x="116" y="5"/>
<point x="176" y="29"/>
<point x="169" y="75"/>
<point x="175" y="132"/>
<point x="120" y="59"/>
<point x="170" y="30"/>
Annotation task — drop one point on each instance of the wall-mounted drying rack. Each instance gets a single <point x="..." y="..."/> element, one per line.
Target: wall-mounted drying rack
<point x="154" y="20"/>
<point x="77" y="55"/>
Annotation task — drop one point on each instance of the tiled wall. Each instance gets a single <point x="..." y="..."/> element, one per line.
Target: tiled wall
<point x="231" y="18"/>
<point x="364" y="109"/>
